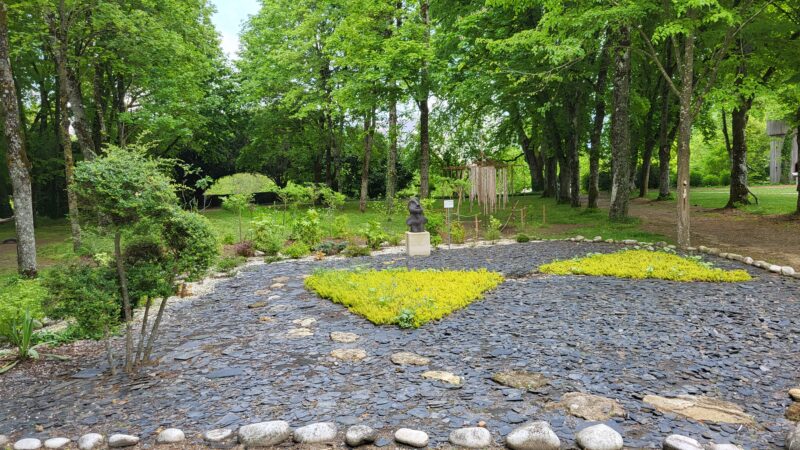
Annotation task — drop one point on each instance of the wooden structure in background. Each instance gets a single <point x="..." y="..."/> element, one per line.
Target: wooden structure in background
<point x="489" y="183"/>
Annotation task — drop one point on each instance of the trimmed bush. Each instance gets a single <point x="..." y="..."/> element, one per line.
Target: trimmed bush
<point x="408" y="298"/>
<point x="522" y="237"/>
<point x="641" y="264"/>
<point x="297" y="250"/>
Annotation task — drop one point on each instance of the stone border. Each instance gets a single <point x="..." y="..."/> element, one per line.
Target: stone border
<point x="537" y="435"/>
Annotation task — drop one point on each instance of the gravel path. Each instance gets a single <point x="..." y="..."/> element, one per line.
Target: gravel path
<point x="228" y="364"/>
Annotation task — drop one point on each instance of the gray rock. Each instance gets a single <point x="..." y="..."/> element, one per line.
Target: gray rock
<point x="90" y="441"/>
<point x="122" y="440"/>
<point x="264" y="434"/>
<point x="747" y="260"/>
<point x="408" y="358"/>
<point x="599" y="437"/>
<point x="218" y="435"/>
<point x="4" y="439"/>
<point x="713" y="446"/>
<point x="170" y="436"/>
<point x="360" y="435"/>
<point x="413" y="438"/>
<point x="533" y="436"/>
<point x="786" y="270"/>
<point x="58" y="442"/>
<point x="774" y="268"/>
<point x="343" y="337"/>
<point x="793" y="439"/>
<point x="316" y="433"/>
<point x="678" y="442"/>
<point x="27" y="444"/>
<point x="473" y="437"/>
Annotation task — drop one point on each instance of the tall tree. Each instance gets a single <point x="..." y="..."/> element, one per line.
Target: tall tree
<point x="620" y="125"/>
<point x="18" y="164"/>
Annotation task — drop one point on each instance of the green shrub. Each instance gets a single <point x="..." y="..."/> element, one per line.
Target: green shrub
<point x="307" y="229"/>
<point x="394" y="239"/>
<point x="522" y="237"/>
<point x="640" y="264"/>
<point x="228" y="263"/>
<point x="408" y="298"/>
<point x="268" y="235"/>
<point x="190" y="241"/>
<point x="340" y="226"/>
<point x="228" y="239"/>
<point x="330" y="248"/>
<point x="710" y="180"/>
<point x="296" y="250"/>
<point x="19" y="332"/>
<point x="725" y="179"/>
<point x="493" y="229"/>
<point x="374" y="234"/>
<point x="355" y="250"/>
<point x="150" y="273"/>
<point x="238" y="203"/>
<point x="88" y="293"/>
<point x="695" y="179"/>
<point x="18" y="295"/>
<point x="457" y="233"/>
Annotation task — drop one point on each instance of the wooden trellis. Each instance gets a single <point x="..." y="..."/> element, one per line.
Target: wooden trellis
<point x="488" y="183"/>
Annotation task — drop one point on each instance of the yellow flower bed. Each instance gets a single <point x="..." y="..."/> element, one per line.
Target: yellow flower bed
<point x="644" y="264"/>
<point x="408" y="298"/>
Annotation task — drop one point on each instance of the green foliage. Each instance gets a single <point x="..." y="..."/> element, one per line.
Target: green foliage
<point x="340" y="226"/>
<point x="374" y="234"/>
<point x="640" y="264"/>
<point x="19" y="332"/>
<point x="124" y="186"/>
<point x="150" y="273"/>
<point x="228" y="239"/>
<point x="268" y="235"/>
<point x="238" y="203"/>
<point x="297" y="249"/>
<point x="522" y="237"/>
<point x="457" y="232"/>
<point x="190" y="242"/>
<point x="330" y="248"/>
<point x="493" y="229"/>
<point x="330" y="198"/>
<point x="403" y="297"/>
<point x="394" y="239"/>
<point x="307" y="228"/>
<point x="295" y="194"/>
<point x="88" y="293"/>
<point x="354" y="250"/>
<point x="18" y="295"/>
<point x="711" y="180"/>
<point x="227" y="263"/>
<point x="242" y="184"/>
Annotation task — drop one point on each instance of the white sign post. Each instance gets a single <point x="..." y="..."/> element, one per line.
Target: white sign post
<point x="448" y="205"/>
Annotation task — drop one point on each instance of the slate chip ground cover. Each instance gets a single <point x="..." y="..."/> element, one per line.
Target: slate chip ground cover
<point x="640" y="264"/>
<point x="408" y="298"/>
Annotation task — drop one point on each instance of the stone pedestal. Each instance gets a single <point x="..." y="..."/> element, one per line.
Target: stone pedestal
<point x="418" y="244"/>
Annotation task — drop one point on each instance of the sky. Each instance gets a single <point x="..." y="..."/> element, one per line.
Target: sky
<point x="229" y="18"/>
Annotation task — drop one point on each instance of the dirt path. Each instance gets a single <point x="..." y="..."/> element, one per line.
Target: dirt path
<point x="772" y="238"/>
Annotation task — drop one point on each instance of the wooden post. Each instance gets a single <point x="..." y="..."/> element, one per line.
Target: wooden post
<point x="522" y="217"/>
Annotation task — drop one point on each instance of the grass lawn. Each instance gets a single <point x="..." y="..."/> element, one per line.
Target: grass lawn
<point x="543" y="218"/>
<point x="771" y="199"/>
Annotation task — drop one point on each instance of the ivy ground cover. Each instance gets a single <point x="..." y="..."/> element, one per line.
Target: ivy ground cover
<point x="408" y="298"/>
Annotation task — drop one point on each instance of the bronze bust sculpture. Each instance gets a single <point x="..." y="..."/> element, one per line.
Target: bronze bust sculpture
<point x="416" y="221"/>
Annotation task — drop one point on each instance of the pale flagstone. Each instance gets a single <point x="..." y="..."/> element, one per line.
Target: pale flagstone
<point x="408" y="358"/>
<point x="793" y="439"/>
<point x="283" y="279"/>
<point x="441" y="375"/>
<point x="713" y="446"/>
<point x="28" y="444"/>
<point x="678" y="442"/>
<point x="305" y="322"/>
<point x="589" y="406"/>
<point x="316" y="433"/>
<point x="700" y="408"/>
<point x="343" y="337"/>
<point x="299" y="332"/>
<point x="170" y="435"/>
<point x="473" y="437"/>
<point x="90" y="441"/>
<point x="520" y="379"/>
<point x="264" y="434"/>
<point x="122" y="440"/>
<point x="360" y="435"/>
<point x="277" y="285"/>
<point x="349" y="354"/>
<point x="4" y="439"/>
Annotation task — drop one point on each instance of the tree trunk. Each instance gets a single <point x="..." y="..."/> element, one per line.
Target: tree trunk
<point x="738" y="190"/>
<point x="597" y="129"/>
<point x="550" y="182"/>
<point x="564" y="177"/>
<point x="391" y="157"/>
<point x="424" y="146"/>
<point x="126" y="300"/>
<point x="424" y="111"/>
<point x="664" y="140"/>
<point x="573" y="152"/>
<point x="99" y="131"/>
<point x="684" y="140"/>
<point x="620" y="127"/>
<point x="369" y="130"/>
<point x="18" y="164"/>
<point x="69" y="165"/>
